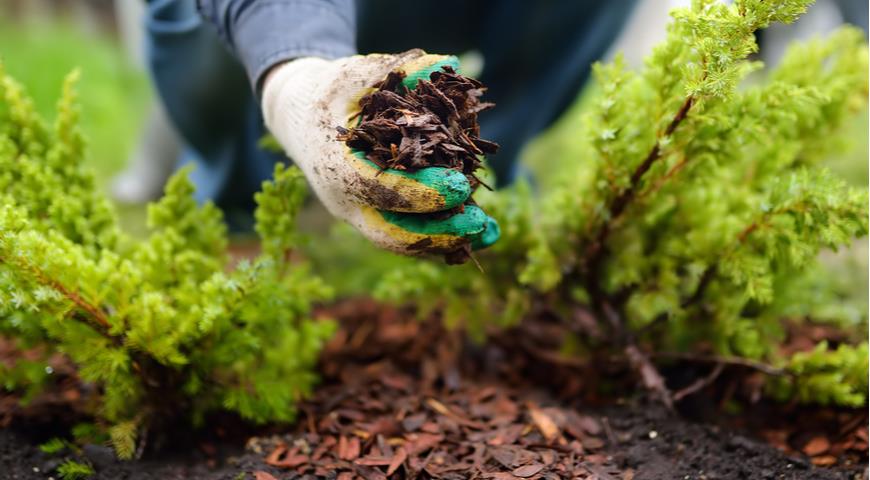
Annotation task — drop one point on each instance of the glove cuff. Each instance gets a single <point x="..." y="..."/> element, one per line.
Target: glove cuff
<point x="289" y="93"/>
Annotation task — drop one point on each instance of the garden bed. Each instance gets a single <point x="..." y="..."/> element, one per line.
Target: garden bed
<point x="393" y="399"/>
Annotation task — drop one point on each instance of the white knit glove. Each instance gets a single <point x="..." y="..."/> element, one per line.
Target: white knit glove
<point x="304" y="100"/>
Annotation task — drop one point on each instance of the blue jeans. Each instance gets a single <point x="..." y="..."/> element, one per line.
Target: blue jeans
<point x="537" y="56"/>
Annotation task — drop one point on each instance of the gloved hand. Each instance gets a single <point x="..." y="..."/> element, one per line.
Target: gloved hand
<point x="304" y="100"/>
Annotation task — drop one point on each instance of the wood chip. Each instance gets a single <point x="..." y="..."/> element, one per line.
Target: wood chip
<point x="545" y="424"/>
<point x="397" y="461"/>
<point x="275" y="454"/>
<point x="373" y="461"/>
<point x="348" y="449"/>
<point x="447" y="412"/>
<point x="528" y="470"/>
<point x="824" y="460"/>
<point x="817" y="446"/>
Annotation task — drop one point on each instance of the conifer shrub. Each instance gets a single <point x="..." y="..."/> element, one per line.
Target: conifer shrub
<point x="162" y="326"/>
<point x="692" y="210"/>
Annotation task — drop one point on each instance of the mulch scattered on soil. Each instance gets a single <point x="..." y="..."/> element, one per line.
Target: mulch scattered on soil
<point x="407" y="399"/>
<point x="404" y="399"/>
<point x="379" y="419"/>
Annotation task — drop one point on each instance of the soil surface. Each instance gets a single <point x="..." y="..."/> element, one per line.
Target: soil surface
<point x="406" y="399"/>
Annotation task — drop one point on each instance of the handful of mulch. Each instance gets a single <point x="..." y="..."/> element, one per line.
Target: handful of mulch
<point x="434" y="125"/>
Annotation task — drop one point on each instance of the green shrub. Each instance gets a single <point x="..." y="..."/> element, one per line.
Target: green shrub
<point x="694" y="206"/>
<point x="161" y="326"/>
<point x="825" y="376"/>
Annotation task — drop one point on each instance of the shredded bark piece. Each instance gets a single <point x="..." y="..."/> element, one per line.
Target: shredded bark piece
<point x="433" y="125"/>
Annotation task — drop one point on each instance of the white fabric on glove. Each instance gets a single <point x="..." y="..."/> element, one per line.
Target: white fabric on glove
<point x="305" y="100"/>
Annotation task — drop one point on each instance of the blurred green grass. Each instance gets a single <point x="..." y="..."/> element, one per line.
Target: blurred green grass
<point x="113" y="94"/>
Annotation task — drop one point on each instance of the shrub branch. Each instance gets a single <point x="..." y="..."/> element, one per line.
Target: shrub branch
<point x="95" y="317"/>
<point x="596" y="250"/>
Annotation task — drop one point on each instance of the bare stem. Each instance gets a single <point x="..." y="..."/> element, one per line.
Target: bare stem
<point x="595" y="251"/>
<point x="640" y="362"/>
<point x="95" y="316"/>
<point x="700" y="383"/>
<point x="733" y="361"/>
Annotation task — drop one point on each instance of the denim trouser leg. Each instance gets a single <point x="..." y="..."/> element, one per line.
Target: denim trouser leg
<point x="209" y="100"/>
<point x="537" y="54"/>
<point x="854" y="12"/>
<point x="537" y="57"/>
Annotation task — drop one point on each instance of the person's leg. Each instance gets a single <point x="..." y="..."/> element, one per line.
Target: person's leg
<point x="854" y="12"/>
<point x="154" y="156"/>
<point x="537" y="55"/>
<point x="209" y="100"/>
<point x="152" y="162"/>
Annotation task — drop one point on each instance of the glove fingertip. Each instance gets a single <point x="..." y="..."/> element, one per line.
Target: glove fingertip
<point x="423" y="67"/>
<point x="451" y="184"/>
<point x="490" y="234"/>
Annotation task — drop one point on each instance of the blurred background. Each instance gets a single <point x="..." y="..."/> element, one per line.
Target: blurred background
<point x="42" y="40"/>
<point x="133" y="149"/>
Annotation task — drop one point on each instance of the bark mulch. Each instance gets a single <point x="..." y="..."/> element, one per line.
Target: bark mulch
<point x="407" y="399"/>
<point x="432" y="125"/>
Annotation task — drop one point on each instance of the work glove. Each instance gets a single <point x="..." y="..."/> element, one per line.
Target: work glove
<point x="303" y="102"/>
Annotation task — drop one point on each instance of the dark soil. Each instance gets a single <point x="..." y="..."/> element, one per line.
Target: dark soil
<point x="410" y="399"/>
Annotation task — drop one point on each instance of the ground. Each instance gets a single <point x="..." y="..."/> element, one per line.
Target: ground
<point x="407" y="399"/>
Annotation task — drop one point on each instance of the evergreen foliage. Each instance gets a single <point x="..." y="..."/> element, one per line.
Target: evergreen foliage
<point x="696" y="210"/>
<point x="72" y="470"/>
<point x="161" y="326"/>
<point x="54" y="445"/>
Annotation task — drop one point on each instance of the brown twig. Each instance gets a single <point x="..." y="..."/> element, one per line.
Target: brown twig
<point x="96" y="314"/>
<point x="746" y="231"/>
<point x="595" y="251"/>
<point x="96" y="317"/>
<point x="700" y="383"/>
<point x="594" y="256"/>
<point x="476" y="263"/>
<point x="608" y="431"/>
<point x="650" y="376"/>
<point x="664" y="179"/>
<point x="485" y="185"/>
<point x="733" y="361"/>
<point x="142" y="443"/>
